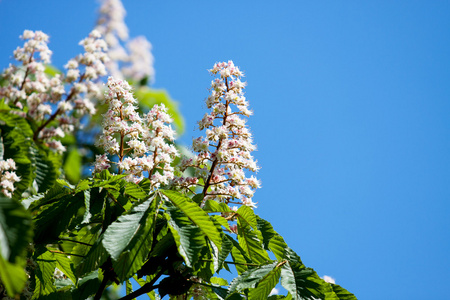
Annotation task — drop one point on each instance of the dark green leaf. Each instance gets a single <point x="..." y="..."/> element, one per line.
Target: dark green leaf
<point x="119" y="234"/>
<point x="301" y="282"/>
<point x="249" y="236"/>
<point x="137" y="250"/>
<point x="15" y="229"/>
<point x="197" y="216"/>
<point x="266" y="230"/>
<point x="55" y="218"/>
<point x="342" y="293"/>
<point x="251" y="277"/>
<point x="240" y="257"/>
<point x="189" y="238"/>
<point x="266" y="285"/>
<point x="45" y="167"/>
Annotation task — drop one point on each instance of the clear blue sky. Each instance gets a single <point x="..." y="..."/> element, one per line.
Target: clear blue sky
<point x="351" y="104"/>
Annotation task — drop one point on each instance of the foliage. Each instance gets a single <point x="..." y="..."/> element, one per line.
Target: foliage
<point x="65" y="234"/>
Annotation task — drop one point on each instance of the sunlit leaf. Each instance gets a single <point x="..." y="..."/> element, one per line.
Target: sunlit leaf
<point x="251" y="277"/>
<point x="196" y="215"/>
<point x="189" y="238"/>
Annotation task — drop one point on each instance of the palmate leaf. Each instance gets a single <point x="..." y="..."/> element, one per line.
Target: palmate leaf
<point x="73" y="165"/>
<point x="239" y="256"/>
<point x="54" y="218"/>
<point x="301" y="282"/>
<point x="278" y="247"/>
<point x="15" y="229"/>
<point x="266" y="285"/>
<point x="65" y="264"/>
<point x="149" y="97"/>
<point x="15" y="235"/>
<point x="138" y="247"/>
<point x="266" y="230"/>
<point x="249" y="236"/>
<point x="46" y="264"/>
<point x="342" y="293"/>
<point x="12" y="276"/>
<point x="17" y="140"/>
<point x="214" y="206"/>
<point x="252" y="277"/>
<point x="189" y="238"/>
<point x="45" y="165"/>
<point x="119" y="234"/>
<point x="95" y="257"/>
<point x="199" y="217"/>
<point x="227" y="246"/>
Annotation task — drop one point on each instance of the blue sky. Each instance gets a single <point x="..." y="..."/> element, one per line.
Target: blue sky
<point x="351" y="104"/>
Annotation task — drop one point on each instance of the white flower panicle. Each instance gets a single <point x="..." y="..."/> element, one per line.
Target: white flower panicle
<point x="142" y="144"/>
<point x="8" y="176"/>
<point x="111" y="22"/>
<point x="45" y="99"/>
<point x="224" y="154"/>
<point x="137" y="62"/>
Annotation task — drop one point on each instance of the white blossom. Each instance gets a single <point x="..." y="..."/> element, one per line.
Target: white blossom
<point x="142" y="144"/>
<point x="228" y="144"/>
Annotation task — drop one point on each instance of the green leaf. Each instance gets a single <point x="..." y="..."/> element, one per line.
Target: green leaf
<point x="119" y="234"/>
<point x="149" y="97"/>
<point x="28" y="201"/>
<point x="95" y="257"/>
<point x="240" y="257"/>
<point x="65" y="264"/>
<point x="55" y="218"/>
<point x="87" y="204"/>
<point x="72" y="165"/>
<point x="128" y="286"/>
<point x="17" y="140"/>
<point x="105" y="179"/>
<point x="12" y="276"/>
<point x="219" y="281"/>
<point x="45" y="168"/>
<point x="197" y="216"/>
<point x="44" y="272"/>
<point x="189" y="238"/>
<point x="221" y="221"/>
<point x="247" y="216"/>
<point x="301" y="282"/>
<point x="135" y="191"/>
<point x="266" y="285"/>
<point x="227" y="246"/>
<point x="278" y="247"/>
<point x="249" y="236"/>
<point x="88" y="286"/>
<point x="138" y="248"/>
<point x="15" y="235"/>
<point x="212" y="206"/>
<point x="251" y="278"/>
<point x="15" y="229"/>
<point x="342" y="293"/>
<point x="266" y="230"/>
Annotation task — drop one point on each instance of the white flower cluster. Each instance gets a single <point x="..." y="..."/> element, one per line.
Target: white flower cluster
<point x="43" y="98"/>
<point x="141" y="144"/>
<point x="137" y="62"/>
<point x="8" y="176"/>
<point x="224" y="154"/>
